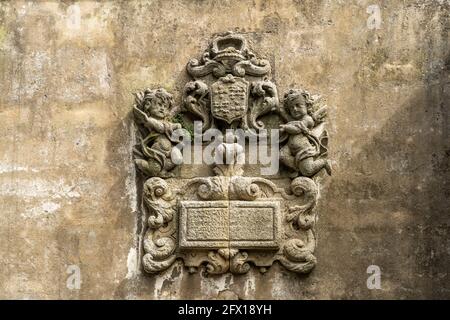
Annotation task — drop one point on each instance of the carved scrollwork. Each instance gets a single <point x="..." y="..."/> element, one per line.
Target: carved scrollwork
<point x="253" y="67"/>
<point x="210" y="188"/>
<point x="213" y="188"/>
<point x="217" y="263"/>
<point x="159" y="244"/>
<point x="159" y="253"/>
<point x="196" y="100"/>
<point x="265" y="100"/>
<point x="252" y="188"/>
<point x="159" y="201"/>
<point x="227" y="259"/>
<point x="303" y="215"/>
<point x="243" y="188"/>
<point x="298" y="255"/>
<point x="204" y="67"/>
<point x="228" y="53"/>
<point x="239" y="264"/>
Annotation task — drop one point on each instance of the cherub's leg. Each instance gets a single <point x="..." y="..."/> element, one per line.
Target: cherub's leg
<point x="151" y="167"/>
<point x="287" y="159"/>
<point x="165" y="172"/>
<point x="169" y="165"/>
<point x="309" y="167"/>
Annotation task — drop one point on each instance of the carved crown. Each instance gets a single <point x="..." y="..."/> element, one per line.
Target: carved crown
<point x="231" y="46"/>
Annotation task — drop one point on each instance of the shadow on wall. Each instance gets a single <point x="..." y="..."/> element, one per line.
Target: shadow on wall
<point x="388" y="206"/>
<point x="395" y="196"/>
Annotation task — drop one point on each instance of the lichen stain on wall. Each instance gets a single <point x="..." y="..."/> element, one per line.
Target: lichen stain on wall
<point x="67" y="182"/>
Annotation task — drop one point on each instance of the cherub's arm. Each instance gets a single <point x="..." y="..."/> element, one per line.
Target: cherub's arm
<point x="155" y="125"/>
<point x="149" y="122"/>
<point x="292" y="127"/>
<point x="308" y="122"/>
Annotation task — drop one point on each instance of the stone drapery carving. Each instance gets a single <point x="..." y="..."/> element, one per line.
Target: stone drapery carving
<point x="230" y="222"/>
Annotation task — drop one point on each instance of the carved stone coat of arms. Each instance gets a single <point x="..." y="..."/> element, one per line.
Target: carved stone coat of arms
<point x="230" y="220"/>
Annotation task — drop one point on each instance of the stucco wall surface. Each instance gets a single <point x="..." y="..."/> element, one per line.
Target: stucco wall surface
<point x="68" y="190"/>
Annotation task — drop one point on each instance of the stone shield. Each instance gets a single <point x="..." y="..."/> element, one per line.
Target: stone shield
<point x="229" y="98"/>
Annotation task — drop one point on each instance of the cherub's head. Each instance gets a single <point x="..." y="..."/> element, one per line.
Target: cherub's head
<point x="298" y="102"/>
<point x="157" y="103"/>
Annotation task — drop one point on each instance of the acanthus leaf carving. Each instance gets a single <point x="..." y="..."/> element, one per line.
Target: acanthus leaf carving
<point x="159" y="201"/>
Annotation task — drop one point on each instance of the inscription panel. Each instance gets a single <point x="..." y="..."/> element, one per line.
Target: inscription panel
<point x="254" y="224"/>
<point x="207" y="224"/>
<point x="204" y="224"/>
<point x="238" y="224"/>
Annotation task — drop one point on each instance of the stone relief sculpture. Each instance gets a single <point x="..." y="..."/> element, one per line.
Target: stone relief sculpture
<point x="304" y="146"/>
<point x="229" y="221"/>
<point x="228" y="98"/>
<point x="152" y="109"/>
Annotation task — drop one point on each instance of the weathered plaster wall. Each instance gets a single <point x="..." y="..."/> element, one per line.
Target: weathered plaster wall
<point x="67" y="182"/>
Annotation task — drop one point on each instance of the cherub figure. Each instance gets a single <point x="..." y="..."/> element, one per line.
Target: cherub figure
<point x="152" y="110"/>
<point x="304" y="151"/>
